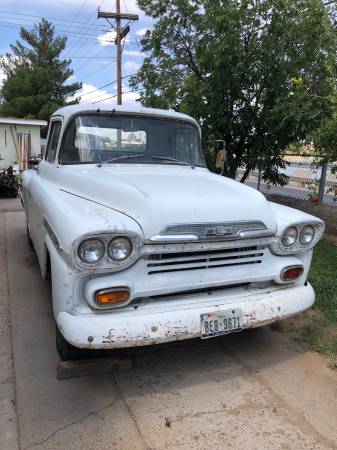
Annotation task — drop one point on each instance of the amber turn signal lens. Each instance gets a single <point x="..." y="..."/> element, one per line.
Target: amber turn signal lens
<point x="106" y="298"/>
<point x="291" y="273"/>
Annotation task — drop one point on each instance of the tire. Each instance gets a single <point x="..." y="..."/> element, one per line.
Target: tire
<point x="67" y="351"/>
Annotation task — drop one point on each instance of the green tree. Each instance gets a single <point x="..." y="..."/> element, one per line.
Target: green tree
<point x="258" y="74"/>
<point x="325" y="141"/>
<point x="36" y="74"/>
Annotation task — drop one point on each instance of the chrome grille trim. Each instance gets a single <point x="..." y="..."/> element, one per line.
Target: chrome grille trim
<point x="177" y="262"/>
<point x="179" y="247"/>
<point x="212" y="231"/>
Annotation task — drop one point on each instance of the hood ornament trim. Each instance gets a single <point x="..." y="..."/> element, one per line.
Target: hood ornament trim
<point x="212" y="231"/>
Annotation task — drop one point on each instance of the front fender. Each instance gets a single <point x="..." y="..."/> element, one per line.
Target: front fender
<point x="286" y="216"/>
<point x="63" y="218"/>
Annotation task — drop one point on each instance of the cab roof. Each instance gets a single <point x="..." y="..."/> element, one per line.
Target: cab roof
<point x="67" y="112"/>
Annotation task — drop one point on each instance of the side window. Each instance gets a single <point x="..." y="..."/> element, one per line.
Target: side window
<point x="53" y="141"/>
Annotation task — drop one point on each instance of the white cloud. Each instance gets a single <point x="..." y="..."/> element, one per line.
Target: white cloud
<point x="135" y="53"/>
<point x="71" y="78"/>
<point x="104" y="97"/>
<point x="130" y="98"/>
<point x="89" y="94"/>
<point x="132" y="6"/>
<point x="141" y="31"/>
<point x="131" y="66"/>
<point x="2" y="77"/>
<point x="108" y="38"/>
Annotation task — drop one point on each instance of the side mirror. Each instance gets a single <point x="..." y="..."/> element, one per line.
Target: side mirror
<point x="34" y="162"/>
<point x="221" y="156"/>
<point x="220" y="159"/>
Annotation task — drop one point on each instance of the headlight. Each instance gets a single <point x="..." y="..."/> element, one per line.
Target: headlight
<point x="91" y="251"/>
<point x="298" y="237"/>
<point x="307" y="235"/>
<point x="119" y="249"/>
<point x="289" y="236"/>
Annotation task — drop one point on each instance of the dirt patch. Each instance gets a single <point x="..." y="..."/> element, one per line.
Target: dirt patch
<point x="311" y="330"/>
<point x="330" y="238"/>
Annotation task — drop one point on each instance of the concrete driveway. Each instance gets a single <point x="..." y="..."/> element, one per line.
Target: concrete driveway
<point x="252" y="390"/>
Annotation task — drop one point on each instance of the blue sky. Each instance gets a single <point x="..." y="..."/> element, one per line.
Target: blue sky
<point x="89" y="46"/>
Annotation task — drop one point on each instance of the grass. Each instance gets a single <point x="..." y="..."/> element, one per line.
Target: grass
<point x="323" y="276"/>
<point x="317" y="328"/>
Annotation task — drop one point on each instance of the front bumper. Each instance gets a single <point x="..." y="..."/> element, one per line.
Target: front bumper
<point x="178" y="318"/>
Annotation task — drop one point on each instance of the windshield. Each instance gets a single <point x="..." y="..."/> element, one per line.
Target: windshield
<point x="125" y="139"/>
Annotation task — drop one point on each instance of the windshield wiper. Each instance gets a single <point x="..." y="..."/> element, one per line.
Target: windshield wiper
<point x="168" y="158"/>
<point x="163" y="158"/>
<point x="117" y="158"/>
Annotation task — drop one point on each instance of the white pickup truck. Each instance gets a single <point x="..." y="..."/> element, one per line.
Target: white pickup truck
<point x="144" y="245"/>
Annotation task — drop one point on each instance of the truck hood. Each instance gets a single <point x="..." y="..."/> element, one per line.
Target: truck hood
<point x="156" y="195"/>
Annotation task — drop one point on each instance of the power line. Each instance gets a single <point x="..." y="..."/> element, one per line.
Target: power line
<point x="15" y="13"/>
<point x="72" y="34"/>
<point x="112" y="96"/>
<point x="54" y="22"/>
<point x="98" y="96"/>
<point x="77" y="47"/>
<point x="106" y="85"/>
<point x="91" y="57"/>
<point x="95" y="71"/>
<point x="79" y="10"/>
<point x="94" y="55"/>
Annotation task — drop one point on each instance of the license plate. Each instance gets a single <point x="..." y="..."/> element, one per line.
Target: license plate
<point x="221" y="322"/>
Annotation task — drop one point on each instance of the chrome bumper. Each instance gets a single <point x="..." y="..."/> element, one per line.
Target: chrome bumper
<point x="179" y="317"/>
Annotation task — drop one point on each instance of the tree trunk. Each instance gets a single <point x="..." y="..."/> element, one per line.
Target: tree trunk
<point x="245" y="175"/>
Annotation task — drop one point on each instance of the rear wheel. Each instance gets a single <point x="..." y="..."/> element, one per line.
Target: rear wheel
<point x="66" y="350"/>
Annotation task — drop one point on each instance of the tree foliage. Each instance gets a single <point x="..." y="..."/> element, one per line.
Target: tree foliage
<point x="258" y="74"/>
<point x="325" y="141"/>
<point x="36" y="75"/>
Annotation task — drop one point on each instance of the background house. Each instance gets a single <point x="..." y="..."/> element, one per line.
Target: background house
<point x="20" y="139"/>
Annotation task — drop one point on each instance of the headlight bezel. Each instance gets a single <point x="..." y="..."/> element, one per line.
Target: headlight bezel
<point x="284" y="233"/>
<point x="301" y="235"/>
<point x="114" y="239"/>
<point x="107" y="263"/>
<point x="318" y="226"/>
<point x="100" y="242"/>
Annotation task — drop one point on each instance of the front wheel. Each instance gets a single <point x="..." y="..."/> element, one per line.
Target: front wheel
<point x="66" y="350"/>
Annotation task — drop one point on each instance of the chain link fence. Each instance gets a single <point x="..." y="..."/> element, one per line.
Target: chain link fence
<point x="307" y="180"/>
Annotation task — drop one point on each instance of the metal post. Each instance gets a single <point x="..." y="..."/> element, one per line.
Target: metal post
<point x="119" y="53"/>
<point x="121" y="33"/>
<point x="322" y="181"/>
<point x="259" y="179"/>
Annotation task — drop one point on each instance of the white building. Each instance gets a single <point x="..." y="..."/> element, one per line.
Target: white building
<point x="20" y="139"/>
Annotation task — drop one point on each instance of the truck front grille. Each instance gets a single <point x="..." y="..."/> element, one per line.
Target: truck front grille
<point x="198" y="260"/>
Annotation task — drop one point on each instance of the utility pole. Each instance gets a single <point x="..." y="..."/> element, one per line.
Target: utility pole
<point x="121" y="32"/>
